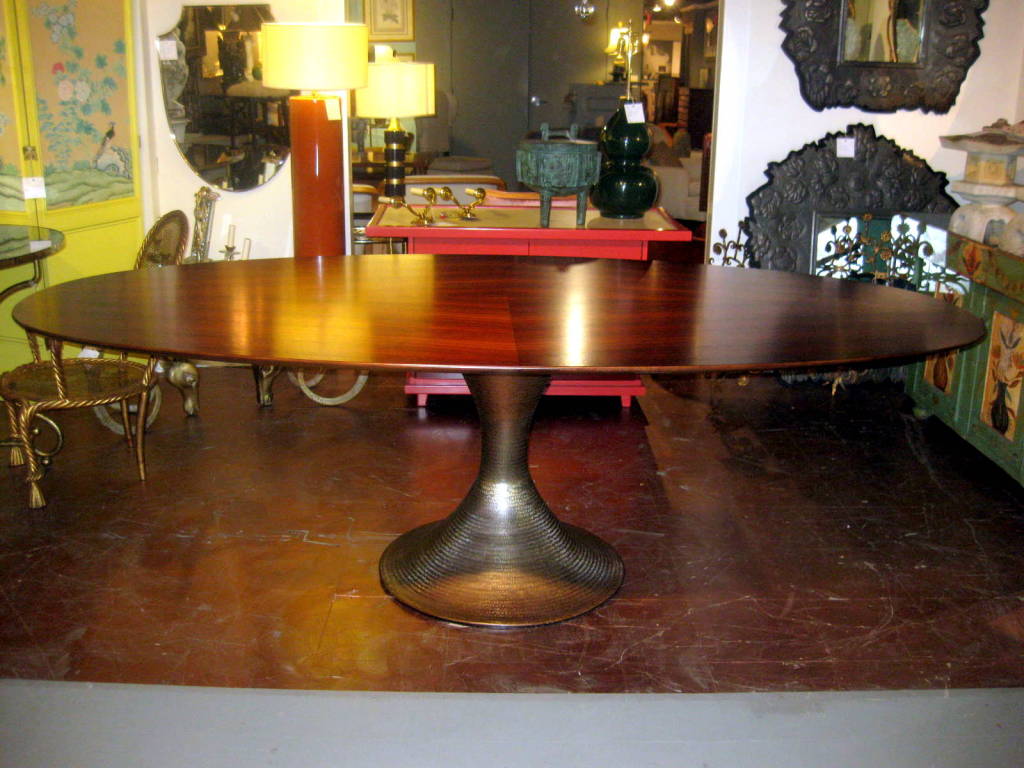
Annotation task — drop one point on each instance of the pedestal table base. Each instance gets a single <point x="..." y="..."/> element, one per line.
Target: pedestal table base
<point x="502" y="558"/>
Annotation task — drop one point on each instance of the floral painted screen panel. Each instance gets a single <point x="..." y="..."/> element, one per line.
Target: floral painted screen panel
<point x="939" y="369"/>
<point x="1000" y="405"/>
<point x="11" y="196"/>
<point x="79" y="55"/>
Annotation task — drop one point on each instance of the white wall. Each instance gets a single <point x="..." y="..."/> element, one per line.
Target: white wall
<point x="1020" y="101"/>
<point x="262" y="214"/>
<point x="761" y="115"/>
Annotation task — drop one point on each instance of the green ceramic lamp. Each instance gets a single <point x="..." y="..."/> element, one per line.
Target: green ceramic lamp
<point x="625" y="188"/>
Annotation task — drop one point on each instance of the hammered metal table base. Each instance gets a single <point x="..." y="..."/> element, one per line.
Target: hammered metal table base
<point x="502" y="558"/>
<point x="428" y="570"/>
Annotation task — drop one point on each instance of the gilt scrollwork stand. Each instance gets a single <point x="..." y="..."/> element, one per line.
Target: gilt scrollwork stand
<point x="183" y="375"/>
<point x="206" y="198"/>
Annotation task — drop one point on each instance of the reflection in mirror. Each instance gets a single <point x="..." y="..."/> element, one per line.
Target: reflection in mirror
<point x="883" y="31"/>
<point x="902" y="250"/>
<point x="231" y="130"/>
<point x="835" y="245"/>
<point x="881" y="178"/>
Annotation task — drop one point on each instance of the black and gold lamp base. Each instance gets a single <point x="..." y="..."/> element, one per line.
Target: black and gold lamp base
<point x="502" y="558"/>
<point x="394" y="160"/>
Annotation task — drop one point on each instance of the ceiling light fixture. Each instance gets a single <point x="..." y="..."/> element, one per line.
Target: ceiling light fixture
<point x="584" y="9"/>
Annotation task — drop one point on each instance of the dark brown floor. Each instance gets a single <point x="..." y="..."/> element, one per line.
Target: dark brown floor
<point x="774" y="539"/>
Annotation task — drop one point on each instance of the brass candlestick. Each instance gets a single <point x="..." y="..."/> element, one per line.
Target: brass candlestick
<point x="423" y="216"/>
<point x="465" y="211"/>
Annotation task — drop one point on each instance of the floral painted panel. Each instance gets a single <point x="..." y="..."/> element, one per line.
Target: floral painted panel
<point x="1001" y="403"/>
<point x="939" y="369"/>
<point x="987" y="265"/>
<point x="82" y="96"/>
<point x="11" y="198"/>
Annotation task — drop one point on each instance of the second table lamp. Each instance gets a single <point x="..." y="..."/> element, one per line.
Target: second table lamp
<point x="396" y="89"/>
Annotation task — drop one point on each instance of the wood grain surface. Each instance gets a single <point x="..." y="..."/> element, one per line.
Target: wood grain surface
<point x="489" y="313"/>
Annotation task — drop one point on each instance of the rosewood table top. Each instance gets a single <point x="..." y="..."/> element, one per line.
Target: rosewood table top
<point x="489" y="314"/>
<point x="507" y="323"/>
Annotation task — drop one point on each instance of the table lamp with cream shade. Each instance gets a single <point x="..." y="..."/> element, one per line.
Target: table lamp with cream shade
<point x="326" y="60"/>
<point x="396" y="89"/>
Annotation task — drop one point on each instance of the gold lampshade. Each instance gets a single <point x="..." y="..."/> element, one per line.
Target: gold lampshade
<point x="314" y="56"/>
<point x="397" y="89"/>
<point x="616" y="37"/>
<point x="321" y="58"/>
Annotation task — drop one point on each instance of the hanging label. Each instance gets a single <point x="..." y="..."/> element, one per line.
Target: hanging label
<point x="846" y="146"/>
<point x="634" y="112"/>
<point x="33" y="187"/>
<point x="333" y="107"/>
<point x="167" y="50"/>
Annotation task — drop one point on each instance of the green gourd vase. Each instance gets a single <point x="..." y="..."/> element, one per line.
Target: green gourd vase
<point x="625" y="189"/>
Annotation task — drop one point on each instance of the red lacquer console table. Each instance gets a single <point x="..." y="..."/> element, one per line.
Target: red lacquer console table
<point x="516" y="231"/>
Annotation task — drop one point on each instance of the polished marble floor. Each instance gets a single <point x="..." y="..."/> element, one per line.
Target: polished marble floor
<point x="775" y="539"/>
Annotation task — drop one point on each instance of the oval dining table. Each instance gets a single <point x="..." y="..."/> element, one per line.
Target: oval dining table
<point x="507" y="324"/>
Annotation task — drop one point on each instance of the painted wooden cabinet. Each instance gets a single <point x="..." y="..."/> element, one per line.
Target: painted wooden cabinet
<point x="67" y="121"/>
<point x="978" y="391"/>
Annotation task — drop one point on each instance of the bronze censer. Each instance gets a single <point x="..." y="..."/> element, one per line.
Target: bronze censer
<point x="559" y="166"/>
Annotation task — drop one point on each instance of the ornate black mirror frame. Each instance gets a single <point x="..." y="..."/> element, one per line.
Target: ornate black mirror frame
<point x="949" y="47"/>
<point x="880" y="179"/>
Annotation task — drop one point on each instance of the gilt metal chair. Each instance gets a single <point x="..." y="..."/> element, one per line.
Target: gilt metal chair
<point x="60" y="384"/>
<point x="165" y="242"/>
<point x="163" y="246"/>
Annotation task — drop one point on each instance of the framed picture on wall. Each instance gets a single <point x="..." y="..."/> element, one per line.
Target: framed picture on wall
<point x="710" y="35"/>
<point x="389" y="19"/>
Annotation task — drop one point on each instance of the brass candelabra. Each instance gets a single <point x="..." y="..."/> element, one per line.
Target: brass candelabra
<point x="425" y="215"/>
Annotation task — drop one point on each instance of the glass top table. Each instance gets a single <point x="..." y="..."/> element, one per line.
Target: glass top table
<point x="21" y="244"/>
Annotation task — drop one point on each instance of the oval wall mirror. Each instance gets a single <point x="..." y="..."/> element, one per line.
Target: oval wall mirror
<point x="231" y="130"/>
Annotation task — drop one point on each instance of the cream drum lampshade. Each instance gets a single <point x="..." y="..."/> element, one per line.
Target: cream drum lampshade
<point x="314" y="56"/>
<point x="322" y="59"/>
<point x="397" y="89"/>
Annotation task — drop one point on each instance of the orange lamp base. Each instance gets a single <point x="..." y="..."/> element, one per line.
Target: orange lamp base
<point x="318" y="199"/>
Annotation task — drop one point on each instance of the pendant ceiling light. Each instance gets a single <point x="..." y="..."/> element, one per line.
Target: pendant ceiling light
<point x="584" y="9"/>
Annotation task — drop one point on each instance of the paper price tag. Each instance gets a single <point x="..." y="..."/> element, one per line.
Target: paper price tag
<point x="634" y="112"/>
<point x="33" y="187"/>
<point x="167" y="50"/>
<point x="333" y="107"/>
